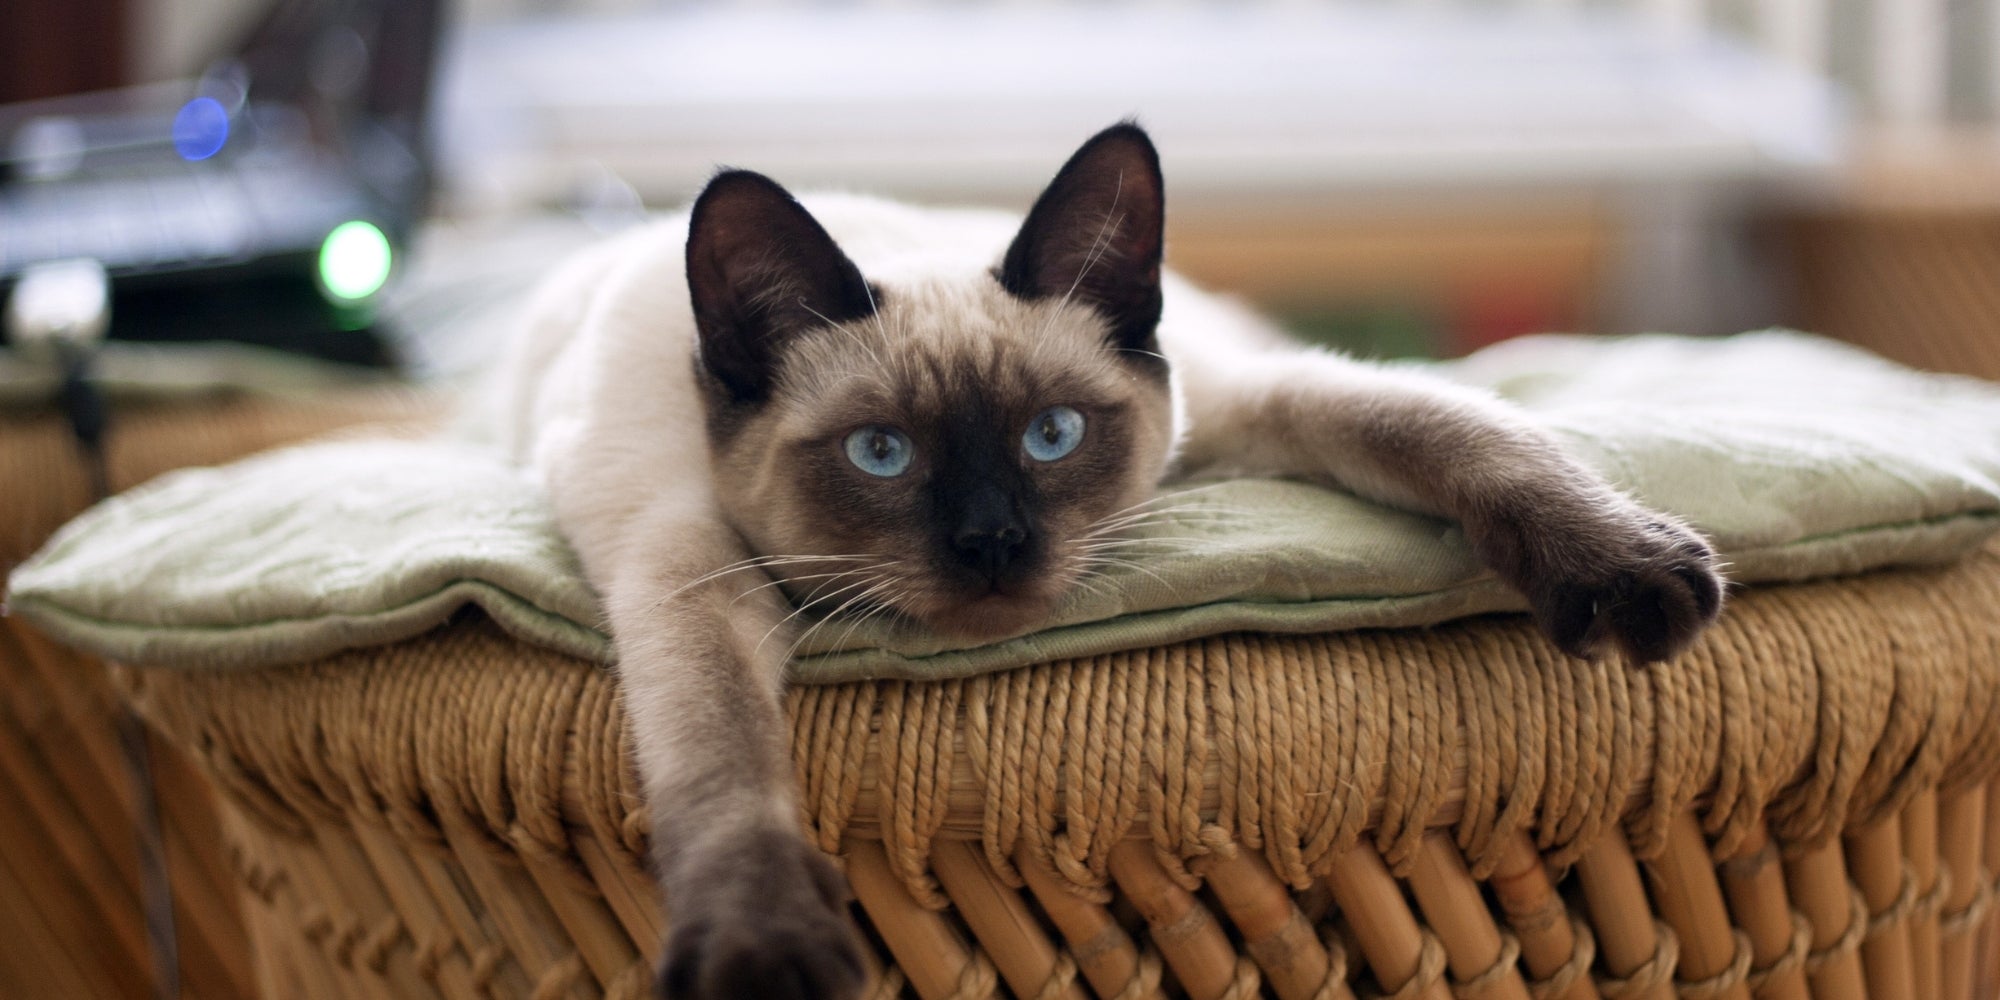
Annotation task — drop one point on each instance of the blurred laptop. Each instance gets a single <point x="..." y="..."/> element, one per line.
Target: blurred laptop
<point x="266" y="202"/>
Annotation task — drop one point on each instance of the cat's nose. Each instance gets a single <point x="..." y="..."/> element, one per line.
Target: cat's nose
<point x="989" y="547"/>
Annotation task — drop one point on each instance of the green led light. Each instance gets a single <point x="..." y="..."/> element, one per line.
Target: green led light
<point x="354" y="261"/>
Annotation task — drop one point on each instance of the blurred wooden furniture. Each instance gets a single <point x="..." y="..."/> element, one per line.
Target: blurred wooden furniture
<point x="1906" y="260"/>
<point x="69" y="874"/>
<point x="1440" y="277"/>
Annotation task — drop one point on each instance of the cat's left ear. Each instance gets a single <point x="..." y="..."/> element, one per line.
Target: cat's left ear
<point x="1096" y="235"/>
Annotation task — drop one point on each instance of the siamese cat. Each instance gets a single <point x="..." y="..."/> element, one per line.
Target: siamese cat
<point x="855" y="407"/>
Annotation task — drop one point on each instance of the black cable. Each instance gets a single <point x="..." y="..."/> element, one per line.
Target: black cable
<point x="83" y="403"/>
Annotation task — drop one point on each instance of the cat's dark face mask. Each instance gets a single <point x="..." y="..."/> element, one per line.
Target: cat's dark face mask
<point x="955" y="452"/>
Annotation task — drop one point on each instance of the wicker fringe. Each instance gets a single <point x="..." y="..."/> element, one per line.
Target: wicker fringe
<point x="1841" y="726"/>
<point x="1289" y="746"/>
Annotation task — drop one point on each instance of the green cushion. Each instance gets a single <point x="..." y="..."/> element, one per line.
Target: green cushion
<point x="1799" y="457"/>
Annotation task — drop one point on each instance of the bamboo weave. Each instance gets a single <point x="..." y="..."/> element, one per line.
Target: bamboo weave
<point x="1797" y="808"/>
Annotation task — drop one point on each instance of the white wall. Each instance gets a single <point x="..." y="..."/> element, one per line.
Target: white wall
<point x="1908" y="61"/>
<point x="173" y="38"/>
<point x="1911" y="60"/>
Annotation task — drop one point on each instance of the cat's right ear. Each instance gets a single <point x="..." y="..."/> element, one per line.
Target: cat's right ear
<point x="760" y="270"/>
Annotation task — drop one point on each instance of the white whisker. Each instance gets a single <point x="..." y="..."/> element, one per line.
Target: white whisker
<point x="794" y="578"/>
<point x="804" y="606"/>
<point x="755" y="562"/>
<point x="1127" y="564"/>
<point x="1163" y="498"/>
<point x="881" y="608"/>
<point x="878" y="587"/>
<point x="1165" y="545"/>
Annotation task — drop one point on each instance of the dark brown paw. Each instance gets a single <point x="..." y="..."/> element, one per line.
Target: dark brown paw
<point x="770" y="924"/>
<point x="1622" y="577"/>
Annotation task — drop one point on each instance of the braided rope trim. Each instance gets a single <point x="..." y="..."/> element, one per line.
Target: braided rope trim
<point x="1246" y="983"/>
<point x="977" y="980"/>
<point x="1850" y="939"/>
<point x="1430" y="972"/>
<point x="1722" y="982"/>
<point x="1791" y="961"/>
<point x="1146" y="981"/>
<point x="1653" y="973"/>
<point x="1060" y="978"/>
<point x="1581" y="955"/>
<point x="1973" y="914"/>
<point x="890" y="985"/>
<point x="1484" y="983"/>
<point x="1334" y="986"/>
<point x="1931" y="903"/>
<point x="1899" y="910"/>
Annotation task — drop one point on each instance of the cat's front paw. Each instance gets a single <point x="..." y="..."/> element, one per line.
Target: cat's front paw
<point x="1624" y="577"/>
<point x="772" y="925"/>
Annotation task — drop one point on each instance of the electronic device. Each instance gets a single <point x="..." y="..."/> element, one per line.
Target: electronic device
<point x="267" y="201"/>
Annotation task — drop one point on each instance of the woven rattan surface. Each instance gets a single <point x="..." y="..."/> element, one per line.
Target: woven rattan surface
<point x="1400" y="811"/>
<point x="69" y="885"/>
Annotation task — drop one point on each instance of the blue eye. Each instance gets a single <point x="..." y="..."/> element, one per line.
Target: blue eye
<point x="1053" y="433"/>
<point x="879" y="451"/>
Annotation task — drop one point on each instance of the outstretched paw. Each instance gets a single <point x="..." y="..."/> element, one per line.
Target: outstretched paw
<point x="1626" y="577"/>
<point x="772" y="925"/>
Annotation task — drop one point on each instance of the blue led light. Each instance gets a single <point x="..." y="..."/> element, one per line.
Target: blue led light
<point x="200" y="128"/>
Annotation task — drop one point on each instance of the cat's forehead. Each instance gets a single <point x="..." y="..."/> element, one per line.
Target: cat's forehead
<point x="943" y="312"/>
<point x="932" y="344"/>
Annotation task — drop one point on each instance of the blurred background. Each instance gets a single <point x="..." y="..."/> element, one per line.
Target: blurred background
<point x="1398" y="176"/>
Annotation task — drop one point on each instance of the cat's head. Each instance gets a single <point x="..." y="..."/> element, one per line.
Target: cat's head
<point x="954" y="451"/>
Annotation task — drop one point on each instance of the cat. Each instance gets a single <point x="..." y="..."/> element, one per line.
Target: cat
<point x="866" y="407"/>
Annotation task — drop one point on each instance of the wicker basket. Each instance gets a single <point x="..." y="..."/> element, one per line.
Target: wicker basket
<point x="1801" y="807"/>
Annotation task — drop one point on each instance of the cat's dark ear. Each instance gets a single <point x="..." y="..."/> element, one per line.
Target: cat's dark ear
<point x="1096" y="235"/>
<point x="760" y="270"/>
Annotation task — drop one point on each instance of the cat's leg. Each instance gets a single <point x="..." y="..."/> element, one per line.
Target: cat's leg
<point x="755" y="911"/>
<point x="1597" y="567"/>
